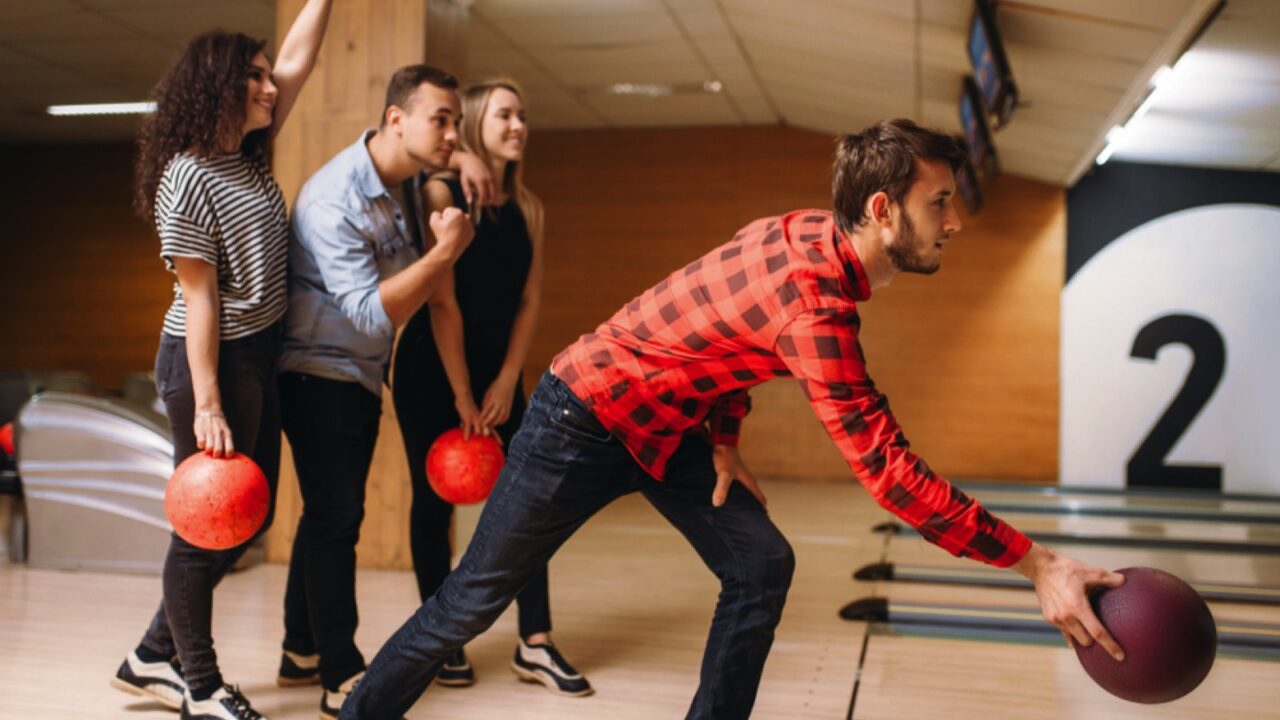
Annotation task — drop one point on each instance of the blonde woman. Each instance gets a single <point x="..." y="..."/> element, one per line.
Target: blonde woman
<point x="459" y="363"/>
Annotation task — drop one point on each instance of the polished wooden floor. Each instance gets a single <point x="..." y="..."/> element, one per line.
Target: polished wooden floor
<point x="632" y="604"/>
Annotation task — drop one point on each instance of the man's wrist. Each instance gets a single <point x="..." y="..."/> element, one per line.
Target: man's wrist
<point x="1034" y="562"/>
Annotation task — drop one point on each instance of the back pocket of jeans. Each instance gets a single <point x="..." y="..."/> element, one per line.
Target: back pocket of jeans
<point x="576" y="420"/>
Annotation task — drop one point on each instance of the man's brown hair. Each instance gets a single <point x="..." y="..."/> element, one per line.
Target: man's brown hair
<point x="407" y="79"/>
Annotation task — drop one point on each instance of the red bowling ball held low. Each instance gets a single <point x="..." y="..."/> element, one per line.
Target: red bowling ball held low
<point x="462" y="470"/>
<point x="217" y="503"/>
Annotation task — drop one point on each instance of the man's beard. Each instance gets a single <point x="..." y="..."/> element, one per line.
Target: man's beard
<point x="905" y="253"/>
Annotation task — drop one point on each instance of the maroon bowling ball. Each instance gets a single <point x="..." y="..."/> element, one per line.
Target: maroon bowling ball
<point x="1167" y="633"/>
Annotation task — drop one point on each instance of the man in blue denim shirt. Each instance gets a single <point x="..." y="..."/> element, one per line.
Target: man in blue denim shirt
<point x="356" y="273"/>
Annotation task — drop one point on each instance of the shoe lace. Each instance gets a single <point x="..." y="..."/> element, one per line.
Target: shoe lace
<point x="240" y="704"/>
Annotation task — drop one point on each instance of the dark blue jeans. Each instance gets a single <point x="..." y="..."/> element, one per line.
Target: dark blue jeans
<point x="250" y="402"/>
<point x="332" y="428"/>
<point x="562" y="468"/>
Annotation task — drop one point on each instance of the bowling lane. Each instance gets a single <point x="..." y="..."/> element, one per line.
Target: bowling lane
<point x="1246" y="538"/>
<point x="1191" y="566"/>
<point x="919" y="677"/>
<point x="1013" y="498"/>
<point x="909" y="675"/>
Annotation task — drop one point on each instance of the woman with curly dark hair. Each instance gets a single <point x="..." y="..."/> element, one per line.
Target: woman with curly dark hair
<point x="202" y="177"/>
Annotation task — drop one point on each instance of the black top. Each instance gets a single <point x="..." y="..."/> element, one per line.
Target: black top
<point x="489" y="282"/>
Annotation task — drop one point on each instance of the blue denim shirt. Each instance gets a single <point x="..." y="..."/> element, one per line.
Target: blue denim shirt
<point x="347" y="235"/>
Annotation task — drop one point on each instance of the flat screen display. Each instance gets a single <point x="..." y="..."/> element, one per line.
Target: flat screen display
<point x="991" y="70"/>
<point x="977" y="134"/>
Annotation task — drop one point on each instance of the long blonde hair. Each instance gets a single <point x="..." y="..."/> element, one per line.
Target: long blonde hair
<point x="475" y="103"/>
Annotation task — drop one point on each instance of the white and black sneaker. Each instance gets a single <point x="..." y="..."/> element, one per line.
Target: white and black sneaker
<point x="298" y="670"/>
<point x="331" y="701"/>
<point x="456" y="671"/>
<point x="544" y="664"/>
<point x="226" y="703"/>
<point x="160" y="681"/>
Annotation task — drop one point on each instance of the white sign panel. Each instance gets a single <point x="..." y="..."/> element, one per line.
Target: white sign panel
<point x="1171" y="355"/>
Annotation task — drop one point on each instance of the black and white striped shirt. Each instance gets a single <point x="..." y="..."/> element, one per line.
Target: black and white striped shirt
<point x="228" y="211"/>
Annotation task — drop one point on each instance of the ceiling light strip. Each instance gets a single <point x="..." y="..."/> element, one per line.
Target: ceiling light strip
<point x="130" y="108"/>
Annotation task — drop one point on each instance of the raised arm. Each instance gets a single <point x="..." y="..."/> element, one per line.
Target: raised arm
<point x="405" y="292"/>
<point x="446" y="326"/>
<point x="297" y="57"/>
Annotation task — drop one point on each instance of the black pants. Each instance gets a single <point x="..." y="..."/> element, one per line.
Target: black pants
<point x="250" y="401"/>
<point x="332" y="427"/>
<point x="562" y="468"/>
<point x="425" y="410"/>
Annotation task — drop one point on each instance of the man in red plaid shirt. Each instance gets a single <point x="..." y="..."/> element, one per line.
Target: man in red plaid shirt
<point x="652" y="402"/>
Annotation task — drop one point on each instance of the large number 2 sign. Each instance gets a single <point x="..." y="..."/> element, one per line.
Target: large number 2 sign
<point x="1147" y="466"/>
<point x="1151" y="397"/>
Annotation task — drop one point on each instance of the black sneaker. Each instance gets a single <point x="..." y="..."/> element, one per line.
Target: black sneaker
<point x="160" y="681"/>
<point x="226" y="703"/>
<point x="331" y="701"/>
<point x="298" y="670"/>
<point x="456" y="672"/>
<point x="544" y="664"/>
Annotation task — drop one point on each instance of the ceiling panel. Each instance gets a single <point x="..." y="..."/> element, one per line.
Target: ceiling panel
<point x="175" y="23"/>
<point x="634" y="111"/>
<point x="1154" y="14"/>
<point x="1074" y="34"/>
<point x="825" y="65"/>
<point x="588" y="29"/>
<point x="68" y="24"/>
<point x="1221" y="105"/>
<point x="665" y="61"/>
<point x="508" y="10"/>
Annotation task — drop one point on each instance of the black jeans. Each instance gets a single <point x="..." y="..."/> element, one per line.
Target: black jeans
<point x="332" y="427"/>
<point x="425" y="409"/>
<point x="251" y="403"/>
<point x="562" y="468"/>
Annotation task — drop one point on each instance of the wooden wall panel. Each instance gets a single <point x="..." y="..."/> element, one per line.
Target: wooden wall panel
<point x="82" y="286"/>
<point x="968" y="356"/>
<point x="367" y="41"/>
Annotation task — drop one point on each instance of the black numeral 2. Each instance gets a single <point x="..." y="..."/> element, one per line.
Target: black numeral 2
<point x="1147" y="467"/>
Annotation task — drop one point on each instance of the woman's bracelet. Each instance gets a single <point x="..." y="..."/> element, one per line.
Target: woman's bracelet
<point x="210" y="415"/>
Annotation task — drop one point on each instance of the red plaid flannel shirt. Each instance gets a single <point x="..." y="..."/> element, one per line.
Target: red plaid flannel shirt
<point x="780" y="299"/>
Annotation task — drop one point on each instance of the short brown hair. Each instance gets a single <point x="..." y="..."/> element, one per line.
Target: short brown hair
<point x="407" y="79"/>
<point x="883" y="158"/>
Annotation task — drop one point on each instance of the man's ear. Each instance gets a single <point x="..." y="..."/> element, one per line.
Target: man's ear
<point x="878" y="208"/>
<point x="392" y="118"/>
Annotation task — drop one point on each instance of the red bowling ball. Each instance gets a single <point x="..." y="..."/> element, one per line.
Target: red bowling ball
<point x="461" y="471"/>
<point x="217" y="503"/>
<point x="6" y="439"/>
<point x="1167" y="634"/>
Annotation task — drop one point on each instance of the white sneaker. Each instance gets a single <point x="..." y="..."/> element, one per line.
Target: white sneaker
<point x="159" y="681"/>
<point x="331" y="703"/>
<point x="226" y="703"/>
<point x="544" y="664"/>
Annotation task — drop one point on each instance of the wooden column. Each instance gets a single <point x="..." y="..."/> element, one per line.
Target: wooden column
<point x="366" y="42"/>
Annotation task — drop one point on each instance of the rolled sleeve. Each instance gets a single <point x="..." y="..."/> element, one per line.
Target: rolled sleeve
<point x="821" y="349"/>
<point x="347" y="265"/>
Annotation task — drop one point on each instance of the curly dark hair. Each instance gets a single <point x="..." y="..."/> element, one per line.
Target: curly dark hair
<point x="200" y="102"/>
